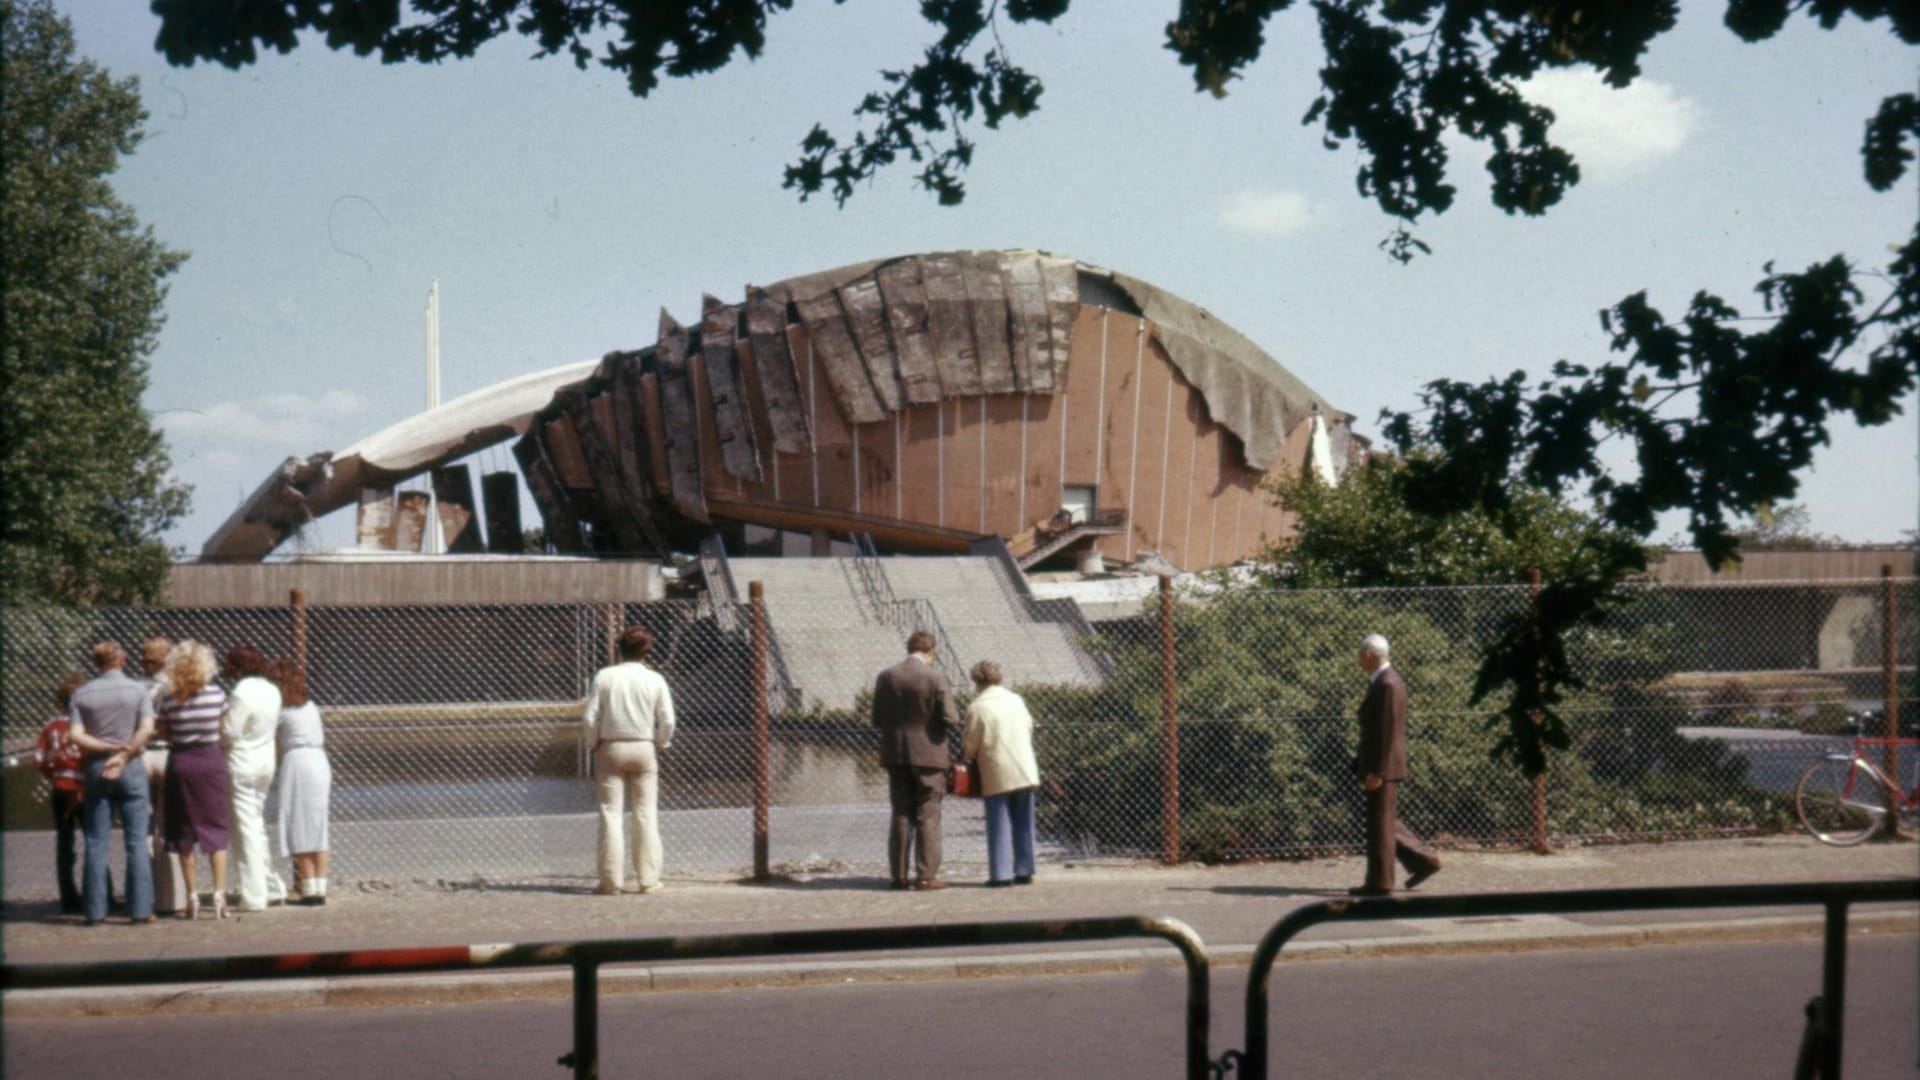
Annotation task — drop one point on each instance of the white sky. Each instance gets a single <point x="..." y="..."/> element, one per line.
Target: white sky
<point x="320" y="193"/>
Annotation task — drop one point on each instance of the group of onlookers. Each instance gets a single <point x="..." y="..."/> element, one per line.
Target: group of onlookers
<point x="629" y="717"/>
<point x="222" y="762"/>
<point x="187" y="765"/>
<point x="629" y="720"/>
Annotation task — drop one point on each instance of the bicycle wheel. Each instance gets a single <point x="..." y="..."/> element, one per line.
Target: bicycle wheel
<point x="1840" y="802"/>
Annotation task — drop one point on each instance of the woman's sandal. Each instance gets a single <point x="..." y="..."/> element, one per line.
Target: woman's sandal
<point x="192" y="910"/>
<point x="219" y="905"/>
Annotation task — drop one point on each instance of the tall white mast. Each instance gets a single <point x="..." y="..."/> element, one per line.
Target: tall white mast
<point x="434" y="543"/>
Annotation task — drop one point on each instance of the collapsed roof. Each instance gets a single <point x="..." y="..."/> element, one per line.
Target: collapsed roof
<point x="889" y="334"/>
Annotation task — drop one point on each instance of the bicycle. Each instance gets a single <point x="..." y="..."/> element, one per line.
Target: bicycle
<point x="1843" y="798"/>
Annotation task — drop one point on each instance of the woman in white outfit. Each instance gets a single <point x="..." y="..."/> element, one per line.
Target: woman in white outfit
<point x="306" y="784"/>
<point x="253" y="713"/>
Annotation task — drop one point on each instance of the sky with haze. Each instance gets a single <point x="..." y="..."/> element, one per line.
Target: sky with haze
<point x="319" y="194"/>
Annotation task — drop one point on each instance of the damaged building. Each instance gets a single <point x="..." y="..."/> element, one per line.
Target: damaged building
<point x="922" y="403"/>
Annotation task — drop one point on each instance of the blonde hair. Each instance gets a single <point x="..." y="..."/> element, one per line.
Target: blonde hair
<point x="188" y="670"/>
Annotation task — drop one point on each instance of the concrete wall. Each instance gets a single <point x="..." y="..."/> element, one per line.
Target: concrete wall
<point x="432" y="580"/>
<point x="1690" y="567"/>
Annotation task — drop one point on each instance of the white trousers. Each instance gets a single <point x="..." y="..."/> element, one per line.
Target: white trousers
<point x="629" y="772"/>
<point x="253" y="874"/>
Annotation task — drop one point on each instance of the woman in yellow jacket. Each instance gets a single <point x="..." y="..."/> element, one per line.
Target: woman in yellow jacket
<point x="1000" y="737"/>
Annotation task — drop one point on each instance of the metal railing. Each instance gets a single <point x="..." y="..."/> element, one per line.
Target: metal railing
<point x="719" y="578"/>
<point x="905" y="616"/>
<point x="731" y="615"/>
<point x="1826" y="1014"/>
<point x="587" y="957"/>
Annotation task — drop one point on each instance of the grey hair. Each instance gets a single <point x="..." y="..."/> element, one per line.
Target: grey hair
<point x="1376" y="645"/>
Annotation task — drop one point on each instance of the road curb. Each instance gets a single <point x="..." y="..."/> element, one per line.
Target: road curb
<point x="377" y="991"/>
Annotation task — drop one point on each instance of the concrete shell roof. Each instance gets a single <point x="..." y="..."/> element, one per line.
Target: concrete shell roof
<point x="1246" y="390"/>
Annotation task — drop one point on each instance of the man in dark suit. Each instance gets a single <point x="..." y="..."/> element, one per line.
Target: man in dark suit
<point x="1382" y="764"/>
<point x="913" y="708"/>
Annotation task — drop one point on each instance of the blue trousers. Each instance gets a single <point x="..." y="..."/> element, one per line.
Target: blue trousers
<point x="129" y="795"/>
<point x="1010" y="835"/>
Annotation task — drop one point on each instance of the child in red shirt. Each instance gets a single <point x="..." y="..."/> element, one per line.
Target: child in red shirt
<point x="58" y="759"/>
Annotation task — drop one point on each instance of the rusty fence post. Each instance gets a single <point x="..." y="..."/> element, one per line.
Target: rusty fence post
<point x="1890" y="687"/>
<point x="1169" y="732"/>
<point x="1539" y="782"/>
<point x="298" y="600"/>
<point x="610" y="615"/>
<point x="762" y="787"/>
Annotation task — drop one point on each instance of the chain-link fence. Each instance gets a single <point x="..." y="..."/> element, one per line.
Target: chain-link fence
<point x="1697" y="711"/>
<point x="455" y="738"/>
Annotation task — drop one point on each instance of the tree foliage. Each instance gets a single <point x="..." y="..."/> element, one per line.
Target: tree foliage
<point x="84" y="488"/>
<point x="1786" y="528"/>
<point x="1365" y="532"/>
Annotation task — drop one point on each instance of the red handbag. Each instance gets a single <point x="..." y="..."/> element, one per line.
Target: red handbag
<point x="963" y="780"/>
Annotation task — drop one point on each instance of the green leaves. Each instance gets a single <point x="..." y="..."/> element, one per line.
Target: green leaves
<point x="84" y="485"/>
<point x="1885" y="148"/>
<point x="923" y="115"/>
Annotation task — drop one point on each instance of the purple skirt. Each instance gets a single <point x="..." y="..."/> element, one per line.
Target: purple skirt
<point x="197" y="801"/>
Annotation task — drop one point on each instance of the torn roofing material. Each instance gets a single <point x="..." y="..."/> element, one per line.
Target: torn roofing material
<point x="1001" y="322"/>
<point x="1246" y="390"/>
<point x="299" y="490"/>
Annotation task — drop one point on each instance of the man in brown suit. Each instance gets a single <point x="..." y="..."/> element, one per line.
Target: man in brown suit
<point x="1382" y="764"/>
<point x="913" y="709"/>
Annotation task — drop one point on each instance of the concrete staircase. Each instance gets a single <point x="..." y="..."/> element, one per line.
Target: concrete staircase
<point x="986" y="617"/>
<point x="817" y="618"/>
<point x="833" y="641"/>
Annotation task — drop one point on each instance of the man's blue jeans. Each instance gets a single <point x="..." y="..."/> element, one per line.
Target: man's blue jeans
<point x="129" y="795"/>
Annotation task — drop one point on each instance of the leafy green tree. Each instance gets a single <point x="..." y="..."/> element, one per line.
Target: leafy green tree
<point x="1364" y="532"/>
<point x="1721" y="415"/>
<point x="1786" y="528"/>
<point x="84" y="487"/>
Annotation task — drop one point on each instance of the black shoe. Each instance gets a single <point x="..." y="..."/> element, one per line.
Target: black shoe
<point x="1023" y="879"/>
<point x="312" y="901"/>
<point x="901" y="886"/>
<point x="1414" y="879"/>
<point x="1369" y="890"/>
<point x="999" y="884"/>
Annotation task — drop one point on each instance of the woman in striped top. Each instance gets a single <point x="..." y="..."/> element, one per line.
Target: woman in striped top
<point x="190" y="707"/>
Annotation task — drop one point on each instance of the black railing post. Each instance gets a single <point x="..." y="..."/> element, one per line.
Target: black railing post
<point x="585" y="1058"/>
<point x="1833" y="989"/>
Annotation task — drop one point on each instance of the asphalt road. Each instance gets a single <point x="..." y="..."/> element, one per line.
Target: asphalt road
<point x="1696" y="1011"/>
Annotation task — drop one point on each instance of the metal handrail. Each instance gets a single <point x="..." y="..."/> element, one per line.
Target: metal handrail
<point x="905" y="616"/>
<point x="586" y="958"/>
<point x="721" y="591"/>
<point x="724" y="598"/>
<point x="1835" y="896"/>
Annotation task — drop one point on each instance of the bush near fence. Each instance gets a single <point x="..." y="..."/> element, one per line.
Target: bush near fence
<point x="1269" y="686"/>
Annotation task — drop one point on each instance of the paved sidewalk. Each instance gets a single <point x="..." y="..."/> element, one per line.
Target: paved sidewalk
<point x="1229" y="906"/>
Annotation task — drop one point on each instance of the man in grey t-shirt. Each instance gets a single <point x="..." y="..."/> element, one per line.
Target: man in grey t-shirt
<point x="111" y="719"/>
